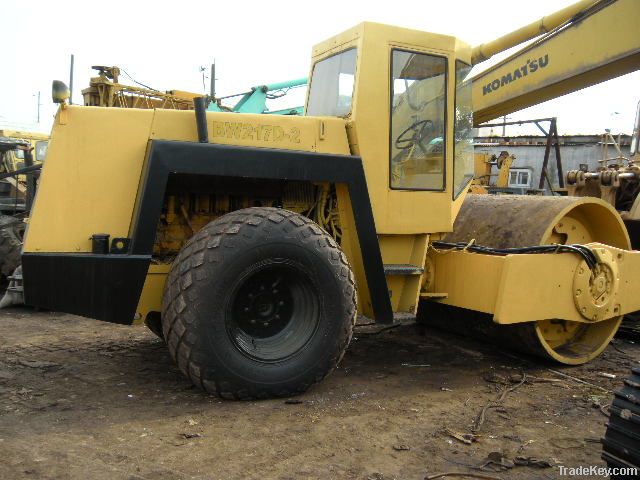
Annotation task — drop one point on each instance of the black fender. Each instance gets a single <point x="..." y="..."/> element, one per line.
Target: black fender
<point x="108" y="286"/>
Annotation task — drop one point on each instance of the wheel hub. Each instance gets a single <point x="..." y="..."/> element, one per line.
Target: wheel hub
<point x="274" y="311"/>
<point x="267" y="308"/>
<point x="595" y="290"/>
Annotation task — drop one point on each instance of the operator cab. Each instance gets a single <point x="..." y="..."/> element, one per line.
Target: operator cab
<point x="406" y="98"/>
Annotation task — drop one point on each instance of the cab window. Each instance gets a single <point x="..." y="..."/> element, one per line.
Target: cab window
<point x="331" y="88"/>
<point x="418" y="120"/>
<point x="41" y="150"/>
<point x="462" y="131"/>
<point x="635" y="139"/>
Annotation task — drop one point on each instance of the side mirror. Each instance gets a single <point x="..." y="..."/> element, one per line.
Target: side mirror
<point x="60" y="92"/>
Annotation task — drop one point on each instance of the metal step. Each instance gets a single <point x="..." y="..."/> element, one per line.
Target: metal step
<point x="402" y="269"/>
<point x="433" y="295"/>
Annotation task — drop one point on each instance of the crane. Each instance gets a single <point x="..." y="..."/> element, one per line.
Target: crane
<point x="584" y="44"/>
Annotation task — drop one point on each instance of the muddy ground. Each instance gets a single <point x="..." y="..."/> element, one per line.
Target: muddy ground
<point x="83" y="399"/>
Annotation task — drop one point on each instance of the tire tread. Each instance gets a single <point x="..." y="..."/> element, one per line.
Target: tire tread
<point x="188" y="269"/>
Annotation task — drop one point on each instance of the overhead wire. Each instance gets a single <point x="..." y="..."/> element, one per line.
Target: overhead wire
<point x="135" y="81"/>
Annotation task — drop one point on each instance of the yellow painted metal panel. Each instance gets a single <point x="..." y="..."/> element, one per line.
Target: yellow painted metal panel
<point x="90" y="178"/>
<point x="470" y="280"/>
<point x="326" y="135"/>
<point x="351" y="247"/>
<point x="151" y="296"/>
<point x="528" y="287"/>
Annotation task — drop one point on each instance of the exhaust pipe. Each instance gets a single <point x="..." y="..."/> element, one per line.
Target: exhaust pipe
<point x="200" y="106"/>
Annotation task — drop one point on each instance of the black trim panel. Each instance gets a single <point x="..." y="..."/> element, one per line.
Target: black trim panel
<point x="104" y="287"/>
<point x="165" y="157"/>
<point x="108" y="287"/>
<point x="633" y="227"/>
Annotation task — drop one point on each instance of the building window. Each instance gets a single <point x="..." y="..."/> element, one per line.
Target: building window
<point x="519" y="178"/>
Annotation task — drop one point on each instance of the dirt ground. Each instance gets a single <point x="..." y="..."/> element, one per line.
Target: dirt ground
<point x="83" y="399"/>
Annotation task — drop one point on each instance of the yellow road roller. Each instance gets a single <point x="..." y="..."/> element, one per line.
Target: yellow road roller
<point x="250" y="243"/>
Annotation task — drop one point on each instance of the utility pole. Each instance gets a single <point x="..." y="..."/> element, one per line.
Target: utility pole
<point x="71" y="82"/>
<point x="39" y="104"/>
<point x="202" y="70"/>
<point x="213" y="79"/>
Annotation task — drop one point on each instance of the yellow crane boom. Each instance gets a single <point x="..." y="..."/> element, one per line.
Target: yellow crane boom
<point x="588" y="43"/>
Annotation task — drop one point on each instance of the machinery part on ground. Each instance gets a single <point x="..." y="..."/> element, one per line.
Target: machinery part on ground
<point x="616" y="181"/>
<point x="11" y="233"/>
<point x="17" y="167"/>
<point x="17" y="189"/>
<point x="517" y="221"/>
<point x="552" y="141"/>
<point x="255" y="100"/>
<point x="14" y="294"/>
<point x="618" y="185"/>
<point x="106" y="91"/>
<point x="621" y="442"/>
<point x="482" y="170"/>
<point x="607" y="139"/>
<point x="504" y="162"/>
<point x="259" y="303"/>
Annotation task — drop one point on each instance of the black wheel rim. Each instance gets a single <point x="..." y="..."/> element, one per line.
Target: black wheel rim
<point x="274" y="311"/>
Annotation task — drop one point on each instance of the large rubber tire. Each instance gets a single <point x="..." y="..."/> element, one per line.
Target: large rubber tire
<point x="621" y="442"/>
<point x="221" y="273"/>
<point x="11" y="233"/>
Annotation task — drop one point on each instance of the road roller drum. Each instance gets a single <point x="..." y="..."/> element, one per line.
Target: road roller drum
<point x="504" y="222"/>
